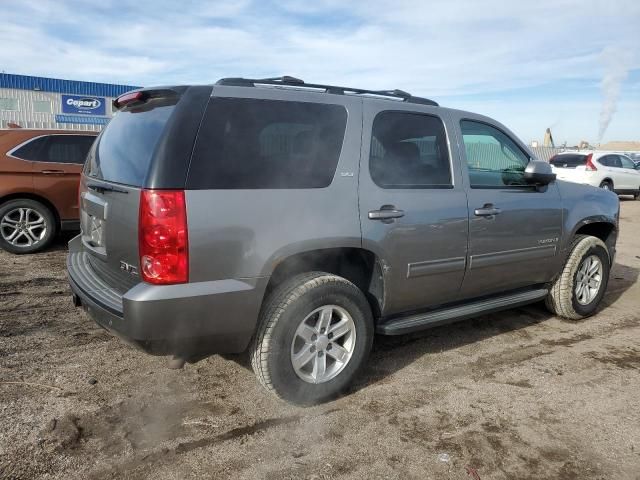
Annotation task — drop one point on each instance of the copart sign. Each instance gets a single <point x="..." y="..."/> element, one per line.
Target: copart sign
<point x="83" y="105"/>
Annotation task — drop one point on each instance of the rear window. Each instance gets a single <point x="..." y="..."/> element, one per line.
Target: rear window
<point x="126" y="146"/>
<point x="568" y="161"/>
<point x="267" y="144"/>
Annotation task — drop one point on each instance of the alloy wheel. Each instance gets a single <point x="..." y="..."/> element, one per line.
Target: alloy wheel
<point x="588" y="280"/>
<point x="23" y="227"/>
<point x="323" y="344"/>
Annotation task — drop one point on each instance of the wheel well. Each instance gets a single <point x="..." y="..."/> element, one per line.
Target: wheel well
<point x="37" y="198"/>
<point x="602" y="230"/>
<point x="359" y="266"/>
<point x="607" y="180"/>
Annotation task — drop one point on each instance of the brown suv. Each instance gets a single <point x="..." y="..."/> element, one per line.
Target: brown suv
<point x="39" y="175"/>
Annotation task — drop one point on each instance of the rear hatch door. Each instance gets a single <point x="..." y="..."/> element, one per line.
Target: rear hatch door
<point x="569" y="167"/>
<point x="119" y="165"/>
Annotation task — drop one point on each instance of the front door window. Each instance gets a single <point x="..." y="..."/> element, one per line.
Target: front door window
<point x="493" y="159"/>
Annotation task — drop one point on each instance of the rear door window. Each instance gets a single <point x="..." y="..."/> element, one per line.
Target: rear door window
<point x="66" y="149"/>
<point x="126" y="146"/>
<point x="267" y="144"/>
<point x="626" y="163"/>
<point x="409" y="150"/>
<point x="614" y="161"/>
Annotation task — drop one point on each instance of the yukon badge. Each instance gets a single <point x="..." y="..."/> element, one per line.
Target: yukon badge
<point x="127" y="267"/>
<point x="547" y="240"/>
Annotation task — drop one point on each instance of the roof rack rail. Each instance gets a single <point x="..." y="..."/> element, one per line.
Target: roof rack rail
<point x="294" y="82"/>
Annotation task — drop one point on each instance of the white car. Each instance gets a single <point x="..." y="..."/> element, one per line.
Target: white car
<point x="611" y="171"/>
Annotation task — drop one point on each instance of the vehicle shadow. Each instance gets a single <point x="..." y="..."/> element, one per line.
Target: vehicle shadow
<point x="61" y="241"/>
<point x="391" y="354"/>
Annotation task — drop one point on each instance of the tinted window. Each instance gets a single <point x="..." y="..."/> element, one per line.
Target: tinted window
<point x="249" y="144"/>
<point x="30" y="150"/>
<point x="126" y="145"/>
<point x="626" y="163"/>
<point x="409" y="150"/>
<point x="606" y="161"/>
<point x="568" y="160"/>
<point x="66" y="149"/>
<point x="493" y="158"/>
<point x="613" y="161"/>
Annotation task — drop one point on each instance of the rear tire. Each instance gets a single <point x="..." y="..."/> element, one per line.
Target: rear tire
<point x="607" y="185"/>
<point x="574" y="294"/>
<point x="290" y="332"/>
<point x="26" y="226"/>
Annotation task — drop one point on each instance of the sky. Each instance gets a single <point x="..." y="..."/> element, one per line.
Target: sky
<point x="530" y="65"/>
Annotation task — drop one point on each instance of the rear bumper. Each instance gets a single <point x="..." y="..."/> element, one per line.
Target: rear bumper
<point x="189" y="319"/>
<point x="583" y="177"/>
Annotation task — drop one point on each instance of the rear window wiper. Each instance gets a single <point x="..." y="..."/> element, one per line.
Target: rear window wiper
<point x="105" y="188"/>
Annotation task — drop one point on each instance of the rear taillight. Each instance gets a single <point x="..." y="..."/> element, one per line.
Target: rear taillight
<point x="589" y="165"/>
<point x="163" y="244"/>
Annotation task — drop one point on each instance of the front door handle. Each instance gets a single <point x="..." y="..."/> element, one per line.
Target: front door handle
<point x="488" y="210"/>
<point x="52" y="172"/>
<point x="386" y="213"/>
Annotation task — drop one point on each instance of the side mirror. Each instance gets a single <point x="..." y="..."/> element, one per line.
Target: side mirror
<point x="539" y="173"/>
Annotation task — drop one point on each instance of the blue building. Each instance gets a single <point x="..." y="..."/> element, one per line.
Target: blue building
<point x="51" y="103"/>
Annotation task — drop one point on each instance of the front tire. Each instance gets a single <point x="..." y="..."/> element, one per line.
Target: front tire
<point x="580" y="287"/>
<point x="26" y="226"/>
<point x="314" y="336"/>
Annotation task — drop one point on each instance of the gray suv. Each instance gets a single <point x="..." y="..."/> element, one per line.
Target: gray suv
<point x="296" y="220"/>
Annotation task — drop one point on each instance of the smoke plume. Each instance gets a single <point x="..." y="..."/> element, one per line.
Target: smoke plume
<point x="616" y="67"/>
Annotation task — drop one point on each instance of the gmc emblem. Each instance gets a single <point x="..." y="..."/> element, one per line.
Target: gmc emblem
<point x="124" y="266"/>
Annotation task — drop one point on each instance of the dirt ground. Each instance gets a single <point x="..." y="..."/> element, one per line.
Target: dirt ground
<point x="519" y="395"/>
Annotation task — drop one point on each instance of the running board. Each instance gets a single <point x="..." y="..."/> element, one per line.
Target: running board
<point x="421" y="321"/>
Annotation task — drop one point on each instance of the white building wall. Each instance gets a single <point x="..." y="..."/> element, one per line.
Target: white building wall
<point x="27" y="118"/>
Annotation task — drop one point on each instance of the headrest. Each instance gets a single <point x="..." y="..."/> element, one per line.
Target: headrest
<point x="406" y="150"/>
<point x="302" y="142"/>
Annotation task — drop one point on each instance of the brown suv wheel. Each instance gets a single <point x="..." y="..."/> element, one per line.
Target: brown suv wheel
<point x="26" y="226"/>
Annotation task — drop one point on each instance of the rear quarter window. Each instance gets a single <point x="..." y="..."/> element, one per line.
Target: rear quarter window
<point x="30" y="149"/>
<point x="267" y="144"/>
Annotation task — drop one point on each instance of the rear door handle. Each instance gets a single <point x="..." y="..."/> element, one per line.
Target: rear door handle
<point x="387" y="214"/>
<point x="487" y="210"/>
<point x="52" y="172"/>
